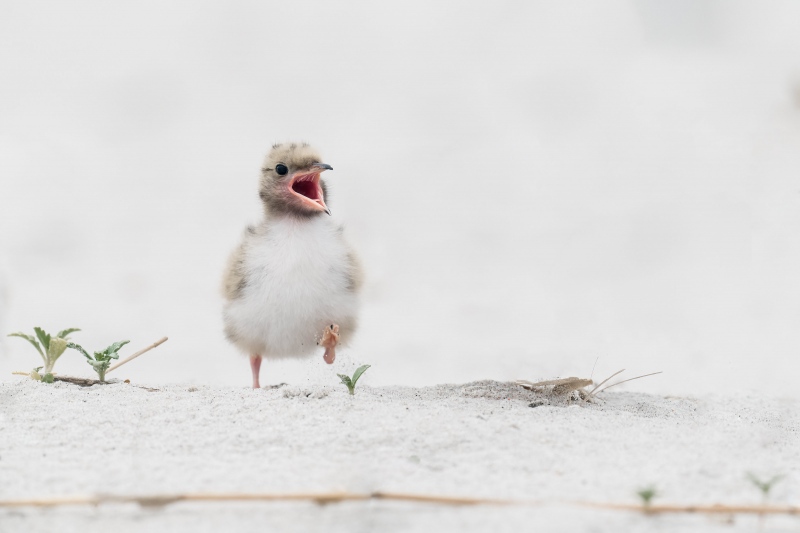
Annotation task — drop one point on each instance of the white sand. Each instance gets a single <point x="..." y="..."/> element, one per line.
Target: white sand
<point x="478" y="439"/>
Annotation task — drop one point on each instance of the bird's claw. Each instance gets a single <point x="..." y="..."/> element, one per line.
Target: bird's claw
<point x="329" y="340"/>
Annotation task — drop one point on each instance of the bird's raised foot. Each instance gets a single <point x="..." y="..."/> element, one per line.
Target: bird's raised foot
<point x="329" y="340"/>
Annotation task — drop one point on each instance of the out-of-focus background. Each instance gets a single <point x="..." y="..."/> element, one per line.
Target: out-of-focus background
<point x="531" y="185"/>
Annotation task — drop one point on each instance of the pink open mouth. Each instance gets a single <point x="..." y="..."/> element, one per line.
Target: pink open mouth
<point x="305" y="185"/>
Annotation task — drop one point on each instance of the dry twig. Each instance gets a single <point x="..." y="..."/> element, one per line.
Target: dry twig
<point x="320" y="498"/>
<point x="137" y="354"/>
<point x="605" y="380"/>
<point x="567" y="385"/>
<point x="339" y="497"/>
<point x="83" y="382"/>
<point x="629" y="379"/>
<point x="699" y="509"/>
<point x="560" y="386"/>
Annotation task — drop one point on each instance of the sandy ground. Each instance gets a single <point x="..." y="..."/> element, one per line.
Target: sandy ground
<point x="480" y="439"/>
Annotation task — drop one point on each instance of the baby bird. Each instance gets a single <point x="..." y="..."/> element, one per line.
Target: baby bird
<point x="293" y="282"/>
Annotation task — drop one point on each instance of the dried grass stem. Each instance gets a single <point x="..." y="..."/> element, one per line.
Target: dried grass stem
<point x="338" y="497"/>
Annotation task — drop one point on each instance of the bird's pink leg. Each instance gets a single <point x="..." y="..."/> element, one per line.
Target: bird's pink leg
<point x="255" y="366"/>
<point x="330" y="338"/>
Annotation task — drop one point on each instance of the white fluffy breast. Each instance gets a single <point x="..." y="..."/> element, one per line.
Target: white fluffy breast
<point x="297" y="282"/>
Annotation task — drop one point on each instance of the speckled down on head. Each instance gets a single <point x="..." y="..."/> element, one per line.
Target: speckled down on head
<point x="292" y="284"/>
<point x="295" y="156"/>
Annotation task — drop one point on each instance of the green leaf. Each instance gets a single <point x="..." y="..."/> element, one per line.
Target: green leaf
<point x="100" y="367"/>
<point x="57" y="347"/>
<point x="48" y="378"/>
<point x="764" y="486"/>
<point x="64" y="332"/>
<point x="80" y="349"/>
<point x="30" y="339"/>
<point x="360" y="370"/>
<point x="102" y="356"/>
<point x="44" y="338"/>
<point x="647" y="494"/>
<point x="114" y="348"/>
<point x="350" y="385"/>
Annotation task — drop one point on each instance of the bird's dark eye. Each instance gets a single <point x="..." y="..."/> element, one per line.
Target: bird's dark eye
<point x="281" y="169"/>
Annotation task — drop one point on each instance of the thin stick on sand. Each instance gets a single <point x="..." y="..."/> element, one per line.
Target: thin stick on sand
<point x="602" y="382"/>
<point x="83" y="382"/>
<point x="629" y="379"/>
<point x="557" y="382"/>
<point x="156" y="500"/>
<point x="322" y="498"/>
<point x="137" y="354"/>
<point x="698" y="509"/>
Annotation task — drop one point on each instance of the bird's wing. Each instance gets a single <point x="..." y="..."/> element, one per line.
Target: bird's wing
<point x="355" y="272"/>
<point x="233" y="281"/>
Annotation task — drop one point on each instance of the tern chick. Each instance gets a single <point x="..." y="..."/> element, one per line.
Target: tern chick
<point x="292" y="284"/>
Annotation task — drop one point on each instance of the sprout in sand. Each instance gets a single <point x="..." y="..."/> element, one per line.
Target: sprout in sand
<point x="351" y="382"/>
<point x="101" y="360"/>
<point x="647" y="494"/>
<point x="50" y="349"/>
<point x="764" y="486"/>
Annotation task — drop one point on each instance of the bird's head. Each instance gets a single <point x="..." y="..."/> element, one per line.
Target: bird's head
<point x="290" y="181"/>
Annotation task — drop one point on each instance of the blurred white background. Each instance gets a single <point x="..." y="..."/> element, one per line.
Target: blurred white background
<point x="532" y="185"/>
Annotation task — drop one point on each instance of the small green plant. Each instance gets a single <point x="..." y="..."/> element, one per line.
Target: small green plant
<point x="351" y="382"/>
<point x="50" y="349"/>
<point x="764" y="486"/>
<point x="47" y="378"/>
<point x="647" y="494"/>
<point x="101" y="360"/>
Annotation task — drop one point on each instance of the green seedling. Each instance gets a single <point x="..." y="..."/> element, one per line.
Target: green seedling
<point x="647" y="494"/>
<point x="47" y="378"/>
<point x="351" y="382"/>
<point x="764" y="486"/>
<point x="49" y="347"/>
<point x="101" y="360"/>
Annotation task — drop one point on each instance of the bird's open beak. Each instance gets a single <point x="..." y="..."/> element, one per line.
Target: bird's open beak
<point x="305" y="185"/>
